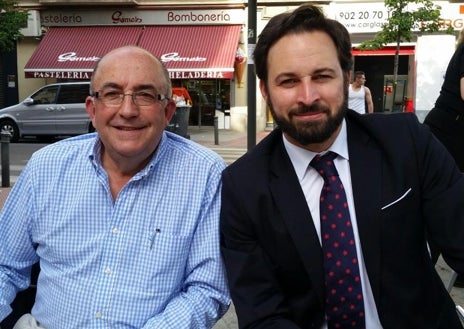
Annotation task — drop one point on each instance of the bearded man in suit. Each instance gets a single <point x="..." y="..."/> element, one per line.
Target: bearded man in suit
<point x="402" y="187"/>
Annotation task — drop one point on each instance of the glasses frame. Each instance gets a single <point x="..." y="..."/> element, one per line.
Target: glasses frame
<point x="122" y="96"/>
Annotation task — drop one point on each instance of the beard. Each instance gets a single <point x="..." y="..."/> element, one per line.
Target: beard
<point x="307" y="133"/>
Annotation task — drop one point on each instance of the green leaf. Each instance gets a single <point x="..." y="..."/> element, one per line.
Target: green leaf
<point x="406" y="16"/>
<point x="12" y="20"/>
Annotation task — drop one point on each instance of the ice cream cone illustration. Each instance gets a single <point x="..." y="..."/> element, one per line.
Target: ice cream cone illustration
<point x="239" y="66"/>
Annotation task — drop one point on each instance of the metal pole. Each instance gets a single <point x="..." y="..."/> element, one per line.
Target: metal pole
<point x="251" y="79"/>
<point x="216" y="131"/>
<point x="5" y="150"/>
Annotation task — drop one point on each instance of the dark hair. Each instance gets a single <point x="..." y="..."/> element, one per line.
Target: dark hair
<point x="305" y="18"/>
<point x="358" y="73"/>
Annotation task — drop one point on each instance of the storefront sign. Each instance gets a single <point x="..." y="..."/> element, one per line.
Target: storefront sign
<point x="73" y="57"/>
<point x="200" y="75"/>
<point x="175" y="57"/>
<point x="452" y="14"/>
<point x="359" y="17"/>
<point x="60" y="75"/>
<point x="369" y="17"/>
<point x="81" y="75"/>
<point x="142" y="17"/>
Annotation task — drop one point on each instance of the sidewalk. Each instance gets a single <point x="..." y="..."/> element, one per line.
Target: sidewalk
<point x="226" y="138"/>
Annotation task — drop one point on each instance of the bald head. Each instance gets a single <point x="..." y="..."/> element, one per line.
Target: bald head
<point x="131" y="58"/>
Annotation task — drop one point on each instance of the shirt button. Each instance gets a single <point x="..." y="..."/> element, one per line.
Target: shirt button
<point x="115" y="230"/>
<point x="107" y="270"/>
<point x="98" y="315"/>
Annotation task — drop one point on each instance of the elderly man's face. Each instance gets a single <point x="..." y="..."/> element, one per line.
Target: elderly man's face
<point x="128" y="130"/>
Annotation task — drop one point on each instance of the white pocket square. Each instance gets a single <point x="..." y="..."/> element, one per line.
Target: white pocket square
<point x="397" y="200"/>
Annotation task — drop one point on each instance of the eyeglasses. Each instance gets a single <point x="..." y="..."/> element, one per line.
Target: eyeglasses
<point x="139" y="98"/>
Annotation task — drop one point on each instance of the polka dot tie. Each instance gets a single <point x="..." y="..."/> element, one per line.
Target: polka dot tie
<point x="344" y="299"/>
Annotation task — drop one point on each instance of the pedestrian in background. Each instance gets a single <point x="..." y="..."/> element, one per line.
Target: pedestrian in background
<point x="323" y="223"/>
<point x="359" y="96"/>
<point x="446" y="119"/>
<point x="125" y="221"/>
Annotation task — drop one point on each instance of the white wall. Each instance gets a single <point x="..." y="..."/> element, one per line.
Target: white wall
<point x="26" y="47"/>
<point x="433" y="53"/>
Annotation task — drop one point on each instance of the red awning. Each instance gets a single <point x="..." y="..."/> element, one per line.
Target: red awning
<point x="194" y="52"/>
<point x="71" y="52"/>
<point x="189" y="52"/>
<point x="385" y="51"/>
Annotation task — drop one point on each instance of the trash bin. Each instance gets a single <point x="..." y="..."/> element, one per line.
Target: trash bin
<point x="179" y="121"/>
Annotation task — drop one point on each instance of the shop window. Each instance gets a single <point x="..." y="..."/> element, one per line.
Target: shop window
<point x="208" y="96"/>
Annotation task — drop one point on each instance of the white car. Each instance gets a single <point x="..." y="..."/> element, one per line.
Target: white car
<point x="53" y="110"/>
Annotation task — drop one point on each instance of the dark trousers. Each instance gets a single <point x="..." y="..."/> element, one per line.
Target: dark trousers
<point x="448" y="127"/>
<point x="23" y="302"/>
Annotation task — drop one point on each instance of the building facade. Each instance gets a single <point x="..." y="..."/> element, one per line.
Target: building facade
<point x="204" y="46"/>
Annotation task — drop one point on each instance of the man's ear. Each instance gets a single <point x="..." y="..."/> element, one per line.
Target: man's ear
<point x="347" y="76"/>
<point x="263" y="89"/>
<point x="169" y="110"/>
<point x="90" y="107"/>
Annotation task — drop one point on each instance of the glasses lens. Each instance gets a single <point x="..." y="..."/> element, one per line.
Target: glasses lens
<point x="111" y="97"/>
<point x="145" y="98"/>
<point x="116" y="97"/>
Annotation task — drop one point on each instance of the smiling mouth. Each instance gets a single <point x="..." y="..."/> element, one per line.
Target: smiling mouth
<point x="309" y="114"/>
<point x="306" y="113"/>
<point x="127" y="128"/>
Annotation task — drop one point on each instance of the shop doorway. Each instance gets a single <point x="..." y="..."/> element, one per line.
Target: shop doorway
<point x="393" y="98"/>
<point x="8" y="79"/>
<point x="376" y="69"/>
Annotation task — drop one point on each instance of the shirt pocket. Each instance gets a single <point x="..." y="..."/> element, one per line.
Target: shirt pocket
<point x="162" y="262"/>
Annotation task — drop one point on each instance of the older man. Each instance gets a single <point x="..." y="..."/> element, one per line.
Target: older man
<point x="125" y="221"/>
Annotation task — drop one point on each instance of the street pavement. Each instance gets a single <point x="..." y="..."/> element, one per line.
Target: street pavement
<point x="231" y="145"/>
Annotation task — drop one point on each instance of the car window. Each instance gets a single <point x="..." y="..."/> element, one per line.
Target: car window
<point x="46" y="95"/>
<point x="70" y="94"/>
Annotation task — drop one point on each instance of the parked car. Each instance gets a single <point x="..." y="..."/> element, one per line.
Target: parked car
<point x="54" y="110"/>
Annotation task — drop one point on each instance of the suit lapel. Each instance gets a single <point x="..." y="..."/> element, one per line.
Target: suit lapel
<point x="285" y="188"/>
<point x="366" y="178"/>
<point x="365" y="166"/>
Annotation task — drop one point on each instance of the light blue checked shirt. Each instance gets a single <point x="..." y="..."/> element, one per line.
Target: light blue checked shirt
<point x="150" y="259"/>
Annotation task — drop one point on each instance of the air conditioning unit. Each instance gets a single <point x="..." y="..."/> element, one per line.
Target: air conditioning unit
<point x="33" y="25"/>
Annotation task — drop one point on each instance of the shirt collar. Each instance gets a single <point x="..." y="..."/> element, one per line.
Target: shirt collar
<point x="301" y="157"/>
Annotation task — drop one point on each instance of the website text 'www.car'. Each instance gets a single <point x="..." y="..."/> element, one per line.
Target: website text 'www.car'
<point x="369" y="25"/>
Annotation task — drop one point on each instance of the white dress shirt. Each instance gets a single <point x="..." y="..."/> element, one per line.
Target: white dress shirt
<point x="311" y="183"/>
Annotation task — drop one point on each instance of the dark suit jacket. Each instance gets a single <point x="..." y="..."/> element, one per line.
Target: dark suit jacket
<point x="272" y="252"/>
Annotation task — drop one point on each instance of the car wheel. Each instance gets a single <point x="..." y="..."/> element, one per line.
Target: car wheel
<point x="11" y="127"/>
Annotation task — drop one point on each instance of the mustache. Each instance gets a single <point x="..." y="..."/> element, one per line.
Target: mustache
<point x="315" y="107"/>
